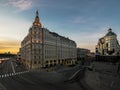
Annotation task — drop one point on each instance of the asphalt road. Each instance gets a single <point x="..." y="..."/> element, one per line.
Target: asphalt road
<point x="11" y="66"/>
<point x="33" y="80"/>
<point x="38" y="80"/>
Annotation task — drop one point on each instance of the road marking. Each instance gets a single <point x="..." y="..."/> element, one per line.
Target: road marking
<point x="5" y="75"/>
<point x="2" y="87"/>
<point x="8" y="75"/>
<point x="12" y="67"/>
<point x="12" y="74"/>
<point x="2" y="76"/>
<point x="74" y="75"/>
<point x="112" y="84"/>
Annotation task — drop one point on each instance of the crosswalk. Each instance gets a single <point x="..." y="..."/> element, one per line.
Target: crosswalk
<point x="12" y="74"/>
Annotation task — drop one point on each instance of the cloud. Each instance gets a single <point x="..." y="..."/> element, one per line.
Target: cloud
<point x="93" y="21"/>
<point x="15" y="30"/>
<point x="83" y="20"/>
<point x="11" y="34"/>
<point x="78" y="20"/>
<point x="87" y="46"/>
<point x="20" y="4"/>
<point x="7" y="45"/>
<point x="88" y="39"/>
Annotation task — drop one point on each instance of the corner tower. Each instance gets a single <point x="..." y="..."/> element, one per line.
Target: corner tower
<point x="37" y="20"/>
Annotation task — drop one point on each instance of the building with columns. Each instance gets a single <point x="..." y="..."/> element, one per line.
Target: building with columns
<point x="43" y="48"/>
<point x="108" y="45"/>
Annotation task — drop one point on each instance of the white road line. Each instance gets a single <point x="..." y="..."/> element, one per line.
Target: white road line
<point x="8" y="75"/>
<point x="5" y="75"/>
<point x="12" y="67"/>
<point x="112" y="84"/>
<point x="12" y="74"/>
<point x="2" y="87"/>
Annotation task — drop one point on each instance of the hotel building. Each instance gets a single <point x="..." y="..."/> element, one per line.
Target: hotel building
<point x="43" y="48"/>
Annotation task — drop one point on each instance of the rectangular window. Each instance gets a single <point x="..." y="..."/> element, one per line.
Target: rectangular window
<point x="35" y="28"/>
<point x="35" y="62"/>
<point x="34" y="57"/>
<point x="34" y="36"/>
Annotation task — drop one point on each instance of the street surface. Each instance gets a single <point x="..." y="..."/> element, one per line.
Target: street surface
<point x="11" y="66"/>
<point x="38" y="81"/>
<point x="33" y="80"/>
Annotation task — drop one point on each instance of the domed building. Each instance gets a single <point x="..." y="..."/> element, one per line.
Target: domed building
<point x="42" y="48"/>
<point x="108" y="46"/>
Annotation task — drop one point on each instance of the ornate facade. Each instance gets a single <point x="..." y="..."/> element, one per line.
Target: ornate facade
<point x="108" y="46"/>
<point x="43" y="48"/>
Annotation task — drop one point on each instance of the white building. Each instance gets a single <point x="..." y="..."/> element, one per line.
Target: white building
<point x="43" y="48"/>
<point x="108" y="45"/>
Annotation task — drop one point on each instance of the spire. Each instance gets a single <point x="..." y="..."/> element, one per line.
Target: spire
<point x="37" y="14"/>
<point x="37" y="21"/>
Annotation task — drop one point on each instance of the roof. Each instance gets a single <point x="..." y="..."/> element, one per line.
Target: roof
<point x="110" y="33"/>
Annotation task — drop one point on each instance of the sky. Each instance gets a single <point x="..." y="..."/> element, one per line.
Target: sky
<point x="84" y="21"/>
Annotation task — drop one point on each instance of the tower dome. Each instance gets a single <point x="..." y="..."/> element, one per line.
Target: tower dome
<point x="110" y="33"/>
<point x="37" y="20"/>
